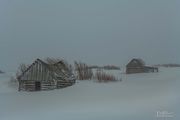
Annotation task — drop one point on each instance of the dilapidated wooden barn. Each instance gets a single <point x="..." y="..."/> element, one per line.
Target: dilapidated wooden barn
<point x="43" y="76"/>
<point x="138" y="66"/>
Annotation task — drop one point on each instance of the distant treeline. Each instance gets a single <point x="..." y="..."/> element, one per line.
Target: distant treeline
<point x="168" y="65"/>
<point x="107" y="67"/>
<point x="1" y="71"/>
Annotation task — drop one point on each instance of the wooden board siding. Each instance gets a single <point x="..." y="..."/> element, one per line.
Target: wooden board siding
<point x="26" y="85"/>
<point x="29" y="85"/>
<point x="37" y="72"/>
<point x="62" y="84"/>
<point x="134" y="70"/>
<point x="141" y="70"/>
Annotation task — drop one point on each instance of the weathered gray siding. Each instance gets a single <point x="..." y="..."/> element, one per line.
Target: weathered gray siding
<point x="62" y="84"/>
<point x="29" y="85"/>
<point x="135" y="70"/>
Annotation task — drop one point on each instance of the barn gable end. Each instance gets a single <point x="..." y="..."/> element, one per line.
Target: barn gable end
<point x="136" y="63"/>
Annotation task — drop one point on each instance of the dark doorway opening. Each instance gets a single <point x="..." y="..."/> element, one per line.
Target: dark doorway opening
<point x="37" y="86"/>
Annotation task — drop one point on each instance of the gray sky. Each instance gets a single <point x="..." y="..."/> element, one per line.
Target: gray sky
<point x="93" y="31"/>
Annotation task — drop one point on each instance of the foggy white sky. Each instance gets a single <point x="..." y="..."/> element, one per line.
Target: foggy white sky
<point x="93" y="31"/>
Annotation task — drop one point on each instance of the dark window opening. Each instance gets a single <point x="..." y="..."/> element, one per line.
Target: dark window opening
<point x="37" y="86"/>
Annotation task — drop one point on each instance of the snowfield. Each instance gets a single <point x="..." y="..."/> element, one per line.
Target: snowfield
<point x="137" y="97"/>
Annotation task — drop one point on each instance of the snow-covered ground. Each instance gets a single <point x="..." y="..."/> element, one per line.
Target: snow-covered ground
<point x="137" y="97"/>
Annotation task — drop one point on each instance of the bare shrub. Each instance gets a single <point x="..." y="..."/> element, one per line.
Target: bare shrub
<point x="13" y="82"/>
<point x="111" y="67"/>
<point x="83" y="71"/>
<point x="21" y="69"/>
<point x="101" y="76"/>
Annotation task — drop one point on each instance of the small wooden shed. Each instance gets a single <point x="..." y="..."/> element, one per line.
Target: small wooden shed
<point x="42" y="76"/>
<point x="138" y="66"/>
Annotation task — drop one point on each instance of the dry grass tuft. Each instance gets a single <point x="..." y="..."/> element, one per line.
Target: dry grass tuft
<point x="83" y="71"/>
<point x="101" y="76"/>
